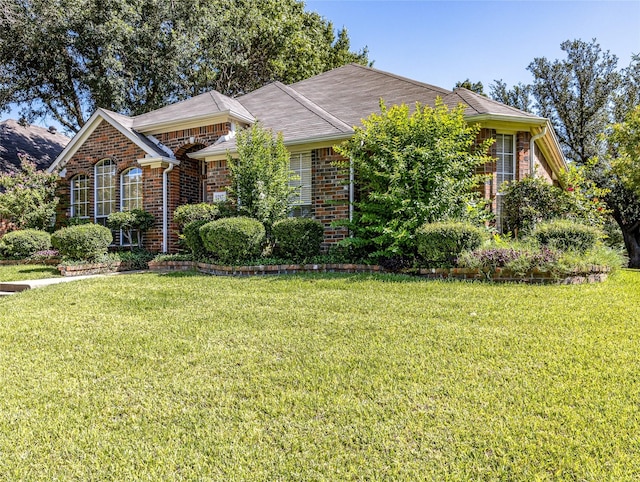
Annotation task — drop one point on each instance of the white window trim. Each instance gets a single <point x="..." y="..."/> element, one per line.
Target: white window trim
<point x="74" y="191"/>
<point x="299" y="170"/>
<point x="514" y="159"/>
<point x="122" y="183"/>
<point x="96" y="188"/>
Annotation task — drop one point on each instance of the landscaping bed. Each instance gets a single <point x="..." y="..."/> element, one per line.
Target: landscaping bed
<point x="592" y="274"/>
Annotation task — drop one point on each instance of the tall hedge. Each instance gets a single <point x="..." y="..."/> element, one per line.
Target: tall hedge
<point x="439" y="244"/>
<point x="297" y="238"/>
<point x="233" y="240"/>
<point x="84" y="242"/>
<point x="24" y="243"/>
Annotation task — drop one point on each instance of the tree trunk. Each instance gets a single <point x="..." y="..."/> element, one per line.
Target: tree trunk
<point x="631" y="236"/>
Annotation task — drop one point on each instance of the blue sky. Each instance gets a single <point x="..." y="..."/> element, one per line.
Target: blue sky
<point x="442" y="42"/>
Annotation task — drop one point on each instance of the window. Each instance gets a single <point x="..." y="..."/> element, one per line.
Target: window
<point x="80" y="196"/>
<point x="131" y="189"/>
<point x="301" y="166"/>
<point x="506" y="160"/>
<point x="105" y="190"/>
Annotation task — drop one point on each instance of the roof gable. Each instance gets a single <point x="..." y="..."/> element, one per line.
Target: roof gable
<point x="201" y="107"/>
<point x="121" y="123"/>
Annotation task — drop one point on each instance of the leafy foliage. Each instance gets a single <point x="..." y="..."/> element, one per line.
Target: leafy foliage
<point x="564" y="235"/>
<point x="233" y="240"/>
<point x="24" y="243"/>
<point x="65" y="58"/>
<point x="187" y="213"/>
<point x="27" y="197"/>
<point x="440" y="244"/>
<point x="131" y="223"/>
<point x="476" y="87"/>
<point x="532" y="200"/>
<point x="624" y="140"/>
<point x="260" y="176"/>
<point x="84" y="242"/>
<point x="519" y="96"/>
<point x="411" y="169"/>
<point x="193" y="240"/>
<point x="297" y="238"/>
<point x="517" y="258"/>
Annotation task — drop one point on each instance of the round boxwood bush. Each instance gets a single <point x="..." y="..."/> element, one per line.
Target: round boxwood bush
<point x="189" y="213"/>
<point x="193" y="240"/>
<point x="567" y="235"/>
<point x="297" y="238"/>
<point x="84" y="242"/>
<point x="24" y="243"/>
<point x="233" y="240"/>
<point x="439" y="244"/>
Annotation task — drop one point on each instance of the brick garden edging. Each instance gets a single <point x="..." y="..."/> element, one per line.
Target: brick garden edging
<point x="93" y="268"/>
<point x="594" y="274"/>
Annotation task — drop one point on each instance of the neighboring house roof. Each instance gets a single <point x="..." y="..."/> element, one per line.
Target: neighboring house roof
<point x="40" y="144"/>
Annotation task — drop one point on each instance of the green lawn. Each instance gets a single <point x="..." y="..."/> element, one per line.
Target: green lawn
<point x="21" y="272"/>
<point x="185" y="377"/>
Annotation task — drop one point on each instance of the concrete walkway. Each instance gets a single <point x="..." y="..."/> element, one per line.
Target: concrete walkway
<point x="13" y="287"/>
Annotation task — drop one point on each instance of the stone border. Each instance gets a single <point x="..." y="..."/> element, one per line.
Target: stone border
<point x="93" y="268"/>
<point x="594" y="274"/>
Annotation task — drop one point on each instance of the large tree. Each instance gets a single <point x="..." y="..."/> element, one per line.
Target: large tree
<point x="581" y="95"/>
<point x="575" y="94"/>
<point x="65" y="58"/>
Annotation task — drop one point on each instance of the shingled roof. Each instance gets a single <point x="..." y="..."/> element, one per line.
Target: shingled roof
<point x="40" y="144"/>
<point x="329" y="105"/>
<point x="204" y="105"/>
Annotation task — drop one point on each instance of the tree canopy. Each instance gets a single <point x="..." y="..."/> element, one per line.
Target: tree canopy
<point x="65" y="58"/>
<point x="476" y="87"/>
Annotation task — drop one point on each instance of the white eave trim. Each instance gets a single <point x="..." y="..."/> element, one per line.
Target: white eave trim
<point x="535" y="121"/>
<point x="296" y="142"/>
<point x="157" y="162"/>
<point x="84" y="133"/>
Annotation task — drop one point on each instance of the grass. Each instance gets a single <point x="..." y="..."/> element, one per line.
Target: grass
<point x="186" y="377"/>
<point x="21" y="272"/>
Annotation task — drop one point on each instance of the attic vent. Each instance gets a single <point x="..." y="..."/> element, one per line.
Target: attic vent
<point x="53" y="129"/>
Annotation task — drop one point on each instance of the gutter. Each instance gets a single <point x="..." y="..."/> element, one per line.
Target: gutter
<point x="532" y="147"/>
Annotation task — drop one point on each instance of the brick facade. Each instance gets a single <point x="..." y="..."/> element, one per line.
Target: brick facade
<point x="184" y="181"/>
<point x="192" y="182"/>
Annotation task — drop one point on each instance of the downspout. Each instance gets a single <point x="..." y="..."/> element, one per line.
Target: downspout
<point x="532" y="150"/>
<point x="165" y="214"/>
<point x="351" y="188"/>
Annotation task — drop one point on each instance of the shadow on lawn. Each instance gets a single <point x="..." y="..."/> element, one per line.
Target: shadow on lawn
<point x="39" y="270"/>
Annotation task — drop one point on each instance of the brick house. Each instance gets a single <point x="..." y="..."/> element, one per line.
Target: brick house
<point x="177" y="154"/>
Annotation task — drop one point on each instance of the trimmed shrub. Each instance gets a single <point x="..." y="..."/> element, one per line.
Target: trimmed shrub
<point x="24" y="243"/>
<point x="297" y="238"/>
<point x="193" y="240"/>
<point x="439" y="244"/>
<point x="567" y="235"/>
<point x="189" y="213"/>
<point x="518" y="259"/>
<point x="232" y="240"/>
<point x="84" y="242"/>
<point x="132" y="224"/>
